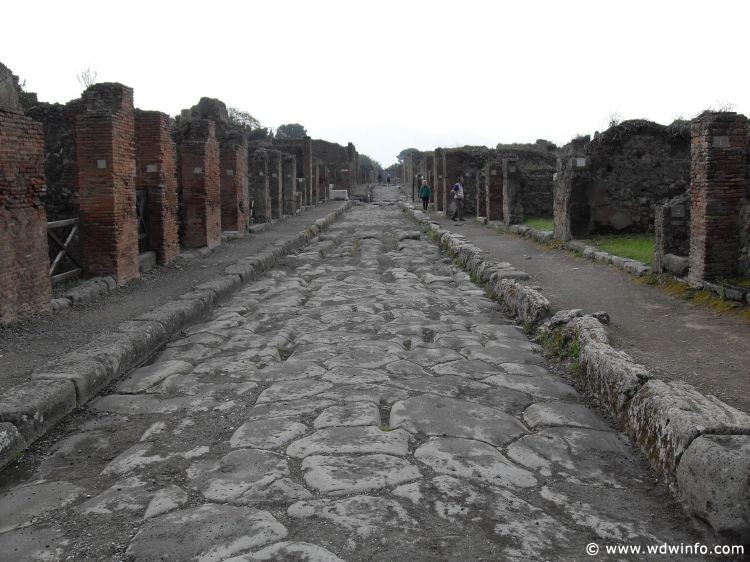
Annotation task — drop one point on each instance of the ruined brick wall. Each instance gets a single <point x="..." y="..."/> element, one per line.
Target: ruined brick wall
<point x="572" y="212"/>
<point x="259" y="185"/>
<point x="199" y="178"/>
<point x="61" y="200"/>
<point x="469" y="163"/>
<point x="537" y="164"/>
<point x="513" y="209"/>
<point x="105" y="166"/>
<point x="235" y="204"/>
<point x="275" y="188"/>
<point x="301" y="149"/>
<point x="289" y="183"/>
<point x="672" y="235"/>
<point x="24" y="264"/>
<point x="634" y="167"/>
<point x="156" y="174"/>
<point x="717" y="190"/>
<point x="494" y="189"/>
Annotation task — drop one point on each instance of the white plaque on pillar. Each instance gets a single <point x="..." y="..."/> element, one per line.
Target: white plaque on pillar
<point x="101" y="164"/>
<point x="580" y="162"/>
<point x="151" y="168"/>
<point x="260" y="174"/>
<point x="230" y="172"/>
<point x="197" y="171"/>
<point x="492" y="173"/>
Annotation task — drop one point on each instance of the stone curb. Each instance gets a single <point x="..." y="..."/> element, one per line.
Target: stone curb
<point x="698" y="444"/>
<point x="525" y="304"/>
<point x="32" y="408"/>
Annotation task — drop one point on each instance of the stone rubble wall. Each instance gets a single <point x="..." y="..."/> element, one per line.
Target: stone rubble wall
<point x="698" y="444"/>
<point x="31" y="409"/>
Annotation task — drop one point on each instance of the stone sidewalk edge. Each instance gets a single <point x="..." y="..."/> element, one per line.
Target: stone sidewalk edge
<point x="698" y="444"/>
<point x="30" y="409"/>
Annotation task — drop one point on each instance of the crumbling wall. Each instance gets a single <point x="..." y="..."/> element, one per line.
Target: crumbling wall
<point x="672" y="236"/>
<point x="467" y="162"/>
<point x="572" y="211"/>
<point x="635" y="166"/>
<point x="537" y="164"/>
<point x="24" y="265"/>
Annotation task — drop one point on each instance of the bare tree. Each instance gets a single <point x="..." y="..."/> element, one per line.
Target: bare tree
<point x="87" y="77"/>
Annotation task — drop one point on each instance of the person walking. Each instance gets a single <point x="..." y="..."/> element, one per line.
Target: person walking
<point x="424" y="194"/>
<point x="380" y="179"/>
<point x="458" y="199"/>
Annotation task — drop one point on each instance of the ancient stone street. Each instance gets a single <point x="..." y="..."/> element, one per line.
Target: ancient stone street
<point x="362" y="401"/>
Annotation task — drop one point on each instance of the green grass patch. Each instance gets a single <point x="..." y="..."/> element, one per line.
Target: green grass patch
<point x="743" y="282"/>
<point x="635" y="246"/>
<point x="540" y="223"/>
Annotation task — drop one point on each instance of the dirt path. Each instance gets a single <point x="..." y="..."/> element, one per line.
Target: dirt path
<point x="674" y="338"/>
<point x="32" y="342"/>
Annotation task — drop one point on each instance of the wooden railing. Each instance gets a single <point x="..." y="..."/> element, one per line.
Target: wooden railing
<point x="62" y="250"/>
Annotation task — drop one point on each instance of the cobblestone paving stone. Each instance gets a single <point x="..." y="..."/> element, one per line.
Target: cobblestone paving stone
<point x="363" y="401"/>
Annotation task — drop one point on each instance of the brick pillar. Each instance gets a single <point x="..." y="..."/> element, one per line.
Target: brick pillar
<point x="275" y="183"/>
<point x="259" y="187"/>
<point x="235" y="199"/>
<point x="105" y="167"/>
<point x="24" y="262"/>
<point x="494" y="190"/>
<point x="156" y="175"/>
<point x="442" y="189"/>
<point x="201" y="194"/>
<point x="512" y="199"/>
<point x="289" y="182"/>
<point x="718" y="173"/>
<point x="307" y="170"/>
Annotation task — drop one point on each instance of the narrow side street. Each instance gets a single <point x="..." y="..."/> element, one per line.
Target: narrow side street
<point x="362" y="401"/>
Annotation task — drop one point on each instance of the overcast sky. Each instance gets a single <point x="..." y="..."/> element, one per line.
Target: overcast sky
<point x="388" y="75"/>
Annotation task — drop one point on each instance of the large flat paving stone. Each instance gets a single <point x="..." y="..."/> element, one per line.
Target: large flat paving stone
<point x="341" y="475"/>
<point x="286" y="408"/>
<point x="145" y="378"/>
<point x="290" y="551"/>
<point x="473" y="460"/>
<point x="525" y="532"/>
<point x="30" y="544"/>
<point x="209" y="532"/>
<point x="583" y="455"/>
<point x="21" y="505"/>
<point x="443" y="416"/>
<point x="365" y="439"/>
<point x="364" y="516"/>
<point x="349" y="414"/>
<point x="542" y="387"/>
<point x="355" y="375"/>
<point x="366" y="358"/>
<point x="469" y="368"/>
<point x="445" y="385"/>
<point x="128" y="494"/>
<point x="551" y="414"/>
<point x="148" y="404"/>
<point x="286" y="371"/>
<point x="293" y="390"/>
<point x="376" y="393"/>
<point x="503" y="353"/>
<point x="267" y="433"/>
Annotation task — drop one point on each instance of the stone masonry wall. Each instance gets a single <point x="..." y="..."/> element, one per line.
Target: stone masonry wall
<point x="672" y="235"/>
<point x="634" y="167"/>
<point x="717" y="189"/>
<point x="156" y="173"/>
<point x="259" y="185"/>
<point x="24" y="264"/>
<point x="537" y="164"/>
<point x="513" y="210"/>
<point x="199" y="177"/>
<point x="494" y="190"/>
<point x="235" y="203"/>
<point x="275" y="189"/>
<point x="572" y="213"/>
<point x="289" y="183"/>
<point x="105" y="166"/>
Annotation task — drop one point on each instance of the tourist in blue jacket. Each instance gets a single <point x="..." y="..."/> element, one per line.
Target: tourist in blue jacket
<point x="424" y="194"/>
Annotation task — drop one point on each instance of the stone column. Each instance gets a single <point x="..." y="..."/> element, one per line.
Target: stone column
<point x="718" y="177"/>
<point x="275" y="180"/>
<point x="494" y="190"/>
<point x="235" y="198"/>
<point x="156" y="174"/>
<point x="259" y="186"/>
<point x="105" y="172"/>
<point x="24" y="263"/>
<point x="571" y="183"/>
<point x="201" y="192"/>
<point x="512" y="200"/>
<point x="289" y="182"/>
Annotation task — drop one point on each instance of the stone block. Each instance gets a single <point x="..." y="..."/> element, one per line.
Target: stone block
<point x="35" y="406"/>
<point x="713" y="480"/>
<point x="612" y="376"/>
<point x="175" y="314"/>
<point x="665" y="417"/>
<point x="677" y="265"/>
<point x="87" y="374"/>
<point x="528" y="305"/>
<point x="11" y="444"/>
